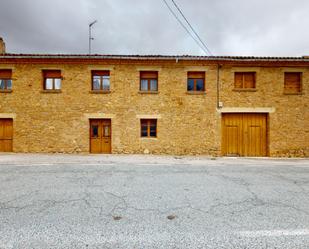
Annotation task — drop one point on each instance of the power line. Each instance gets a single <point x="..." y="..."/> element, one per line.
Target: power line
<point x="191" y="27"/>
<point x="188" y="31"/>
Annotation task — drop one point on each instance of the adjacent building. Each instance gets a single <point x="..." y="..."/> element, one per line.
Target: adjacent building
<point x="181" y="105"/>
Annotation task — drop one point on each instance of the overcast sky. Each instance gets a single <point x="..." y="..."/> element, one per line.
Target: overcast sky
<point x="229" y="27"/>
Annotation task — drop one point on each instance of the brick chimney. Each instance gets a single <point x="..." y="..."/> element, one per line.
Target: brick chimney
<point x="2" y="46"/>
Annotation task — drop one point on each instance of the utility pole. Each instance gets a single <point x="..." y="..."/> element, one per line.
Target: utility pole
<point x="90" y="37"/>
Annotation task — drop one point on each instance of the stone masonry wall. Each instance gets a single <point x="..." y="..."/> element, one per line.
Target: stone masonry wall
<point x="187" y="123"/>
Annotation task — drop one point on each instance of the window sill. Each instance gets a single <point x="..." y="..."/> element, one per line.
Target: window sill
<point x="149" y="138"/>
<point x="148" y="92"/>
<point x="196" y="92"/>
<point x="292" y="93"/>
<point x="6" y="91"/>
<point x="51" y="91"/>
<point x="245" y="90"/>
<point x="100" y="91"/>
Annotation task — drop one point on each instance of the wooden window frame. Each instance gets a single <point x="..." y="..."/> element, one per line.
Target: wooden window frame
<point x="286" y="91"/>
<point x="149" y="122"/>
<point x="5" y="79"/>
<point x="101" y="74"/>
<point x="6" y="85"/>
<point x="149" y="79"/>
<point x="243" y="87"/>
<point x="191" y="75"/>
<point x="53" y="78"/>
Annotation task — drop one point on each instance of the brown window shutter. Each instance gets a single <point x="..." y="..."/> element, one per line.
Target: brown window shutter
<point x="52" y="73"/>
<point x="292" y="82"/>
<point x="238" y="81"/>
<point x="153" y="121"/>
<point x="5" y="74"/>
<point x="143" y="121"/>
<point x="196" y="75"/>
<point x="249" y="80"/>
<point x="149" y="75"/>
<point x="100" y="73"/>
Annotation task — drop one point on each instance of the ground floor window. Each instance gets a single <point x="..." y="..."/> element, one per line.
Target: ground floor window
<point x="148" y="128"/>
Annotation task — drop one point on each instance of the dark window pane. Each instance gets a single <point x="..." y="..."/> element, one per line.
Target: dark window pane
<point x="96" y="82"/>
<point x="190" y="86"/>
<point x="144" y="130"/>
<point x="199" y="84"/>
<point x="153" y="85"/>
<point x="153" y="130"/>
<point x="95" y="131"/>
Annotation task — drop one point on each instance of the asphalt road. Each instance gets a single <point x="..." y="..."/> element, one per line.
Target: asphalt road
<point x="55" y="201"/>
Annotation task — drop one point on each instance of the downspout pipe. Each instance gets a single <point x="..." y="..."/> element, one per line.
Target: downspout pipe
<point x="218" y="86"/>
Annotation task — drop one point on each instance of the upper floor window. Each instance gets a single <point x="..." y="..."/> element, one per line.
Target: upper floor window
<point x="244" y="80"/>
<point x="292" y="82"/>
<point x="149" y="81"/>
<point x="100" y="80"/>
<point x="52" y="79"/>
<point x="196" y="81"/>
<point x="148" y="128"/>
<point x="5" y="79"/>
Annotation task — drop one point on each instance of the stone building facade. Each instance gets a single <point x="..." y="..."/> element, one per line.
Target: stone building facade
<point x="187" y="122"/>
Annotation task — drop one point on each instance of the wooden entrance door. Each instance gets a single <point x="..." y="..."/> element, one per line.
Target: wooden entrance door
<point x="6" y="135"/>
<point x="244" y="134"/>
<point x="100" y="136"/>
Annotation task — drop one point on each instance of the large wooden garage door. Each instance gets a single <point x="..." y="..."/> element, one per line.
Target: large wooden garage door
<point x="244" y="134"/>
<point x="6" y="135"/>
